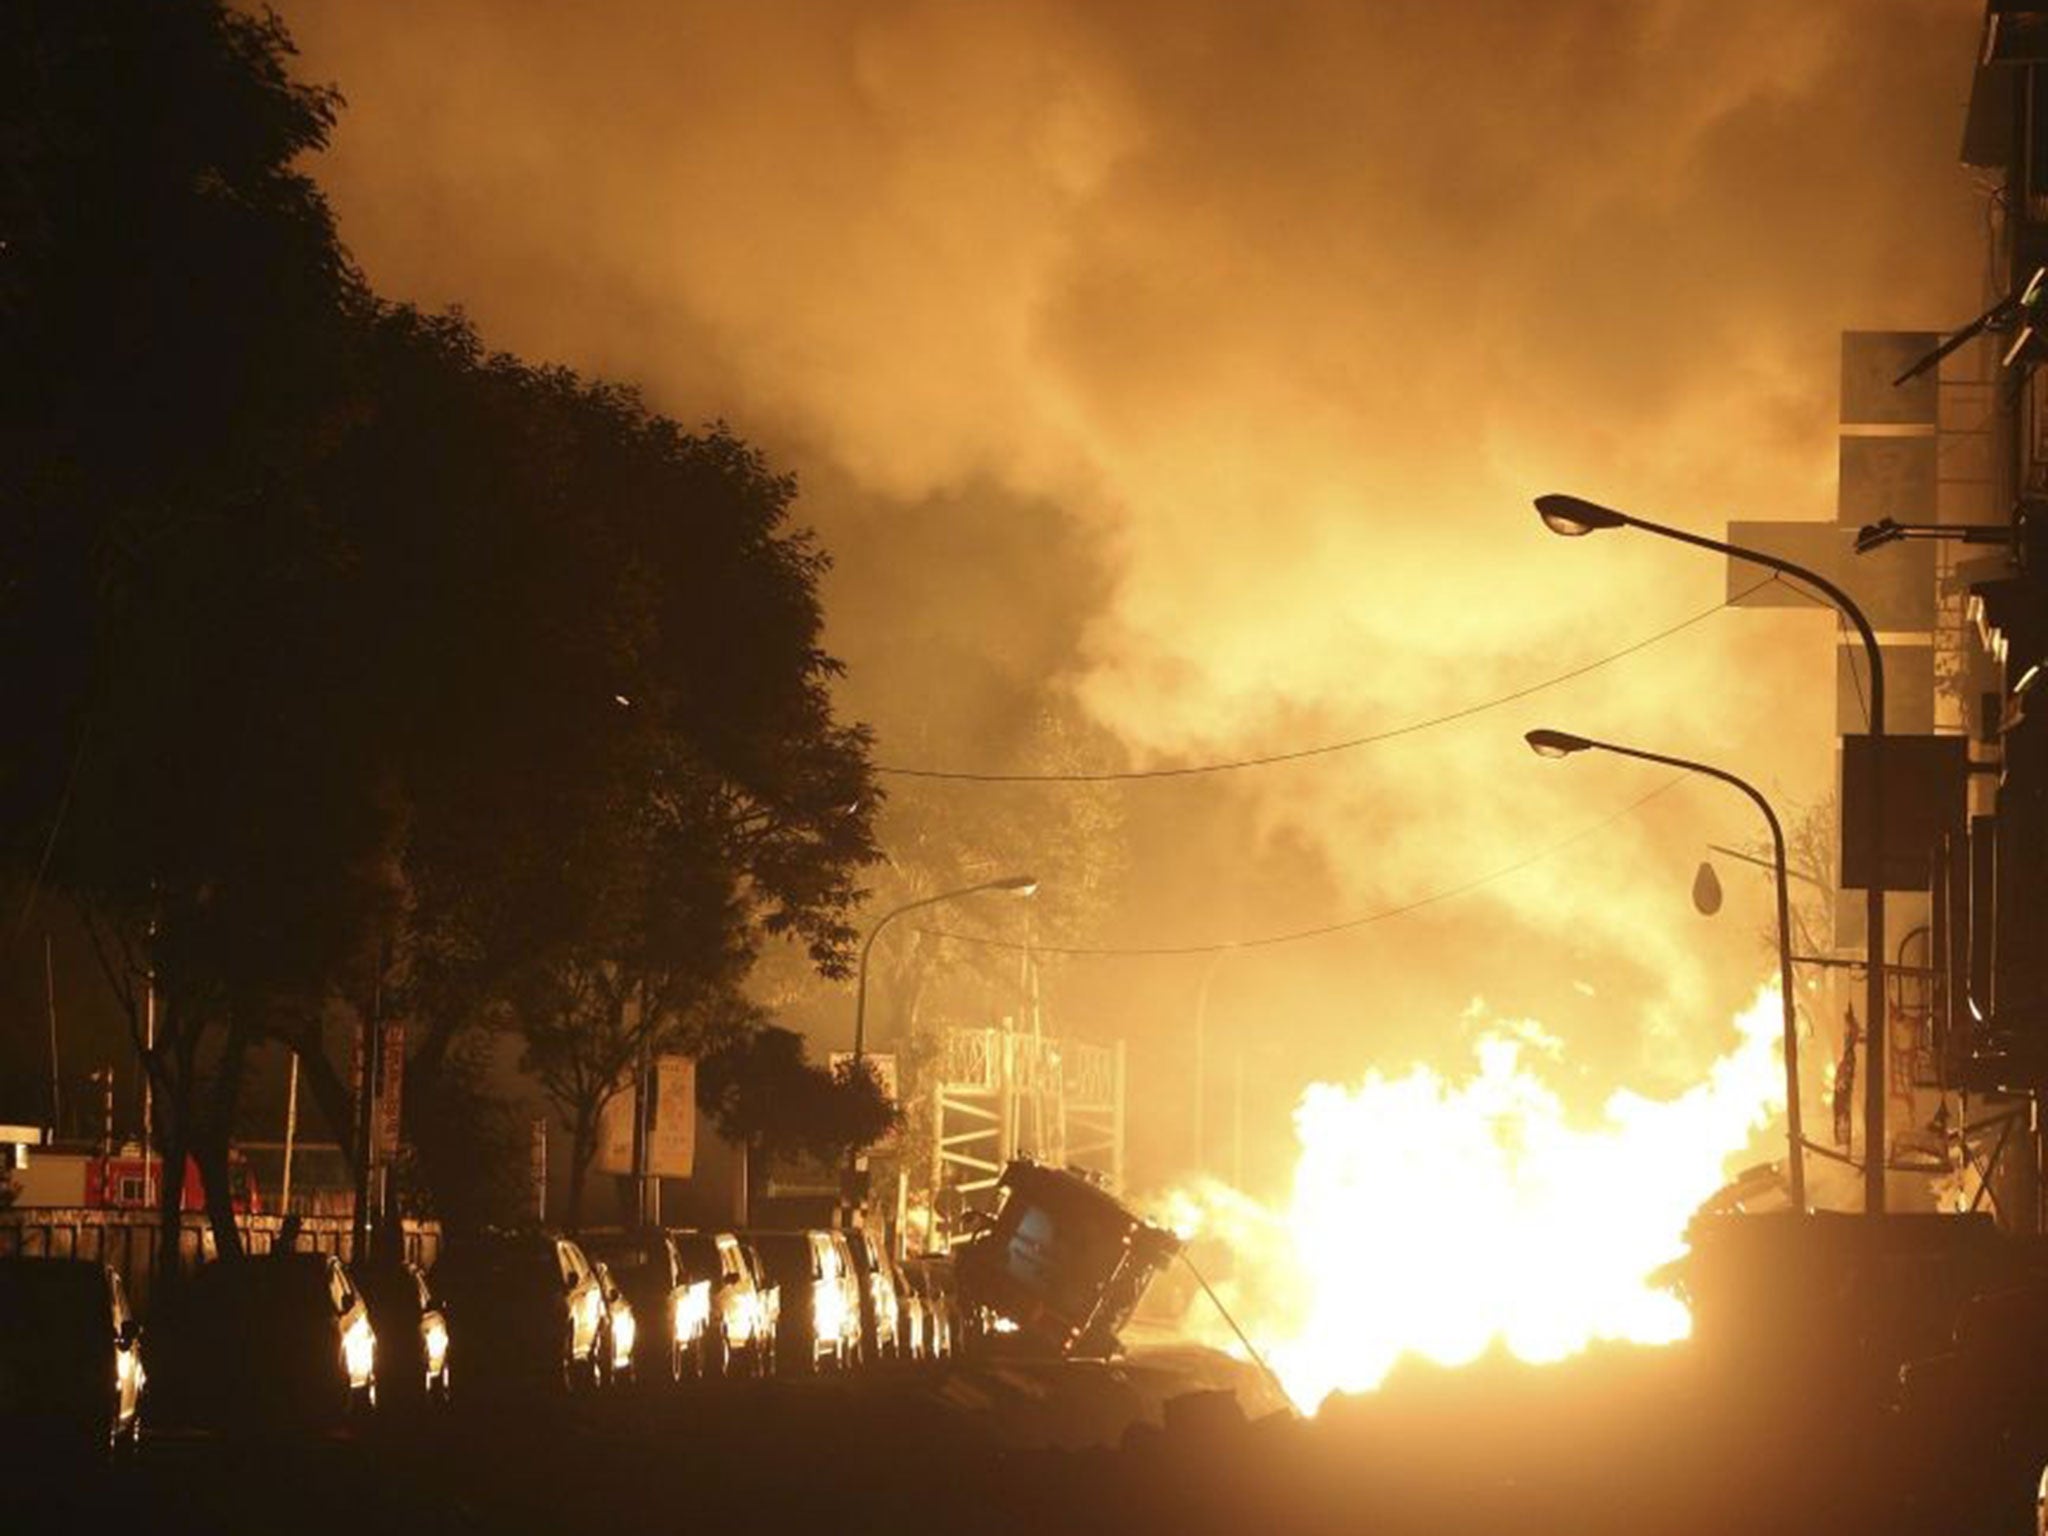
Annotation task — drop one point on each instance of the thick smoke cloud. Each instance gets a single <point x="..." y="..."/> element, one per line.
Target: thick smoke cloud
<point x="1199" y="360"/>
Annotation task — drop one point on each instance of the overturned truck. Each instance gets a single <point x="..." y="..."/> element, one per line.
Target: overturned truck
<point x="1062" y="1259"/>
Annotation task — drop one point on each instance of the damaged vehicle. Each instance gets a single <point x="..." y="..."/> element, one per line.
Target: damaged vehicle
<point x="1063" y="1263"/>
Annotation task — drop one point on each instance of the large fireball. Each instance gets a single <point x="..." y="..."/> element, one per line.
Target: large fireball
<point x="1440" y="1215"/>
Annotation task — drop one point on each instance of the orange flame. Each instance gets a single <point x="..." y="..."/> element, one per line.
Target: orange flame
<point x="1438" y="1217"/>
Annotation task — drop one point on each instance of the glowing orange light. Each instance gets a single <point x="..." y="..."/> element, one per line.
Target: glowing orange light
<point x="1438" y="1216"/>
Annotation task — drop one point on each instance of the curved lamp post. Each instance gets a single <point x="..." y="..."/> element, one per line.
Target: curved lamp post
<point x="1017" y="885"/>
<point x="1573" y="517"/>
<point x="1561" y="744"/>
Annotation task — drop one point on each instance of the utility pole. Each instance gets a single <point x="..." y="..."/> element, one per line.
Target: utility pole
<point x="291" y="1131"/>
<point x="366" y="1117"/>
<point x="149" y="1082"/>
<point x="645" y="1195"/>
<point x="50" y="1000"/>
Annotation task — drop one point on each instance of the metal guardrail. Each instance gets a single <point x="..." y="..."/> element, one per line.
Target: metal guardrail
<point x="127" y="1239"/>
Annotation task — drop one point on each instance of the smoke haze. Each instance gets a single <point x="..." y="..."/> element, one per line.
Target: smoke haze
<point x="1196" y="362"/>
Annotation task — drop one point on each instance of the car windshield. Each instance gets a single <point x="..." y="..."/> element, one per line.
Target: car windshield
<point x="532" y="1264"/>
<point x="699" y="1254"/>
<point x="787" y="1256"/>
<point x="627" y="1260"/>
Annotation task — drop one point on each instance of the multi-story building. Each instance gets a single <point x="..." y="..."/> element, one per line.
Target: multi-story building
<point x="1988" y="994"/>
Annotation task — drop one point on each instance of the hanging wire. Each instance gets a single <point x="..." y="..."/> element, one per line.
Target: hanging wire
<point x="1266" y="940"/>
<point x="1193" y="770"/>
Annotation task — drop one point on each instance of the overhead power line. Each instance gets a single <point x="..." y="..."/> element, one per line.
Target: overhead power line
<point x="1266" y="940"/>
<point x="1234" y="765"/>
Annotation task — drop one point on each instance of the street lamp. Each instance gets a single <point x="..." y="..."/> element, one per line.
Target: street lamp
<point x="1574" y="517"/>
<point x="1016" y="885"/>
<point x="1559" y="744"/>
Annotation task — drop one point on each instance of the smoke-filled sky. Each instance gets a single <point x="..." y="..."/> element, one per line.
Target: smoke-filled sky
<point x="1196" y="362"/>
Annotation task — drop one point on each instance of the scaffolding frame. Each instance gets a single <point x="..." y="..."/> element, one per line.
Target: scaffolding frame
<point x="1001" y="1093"/>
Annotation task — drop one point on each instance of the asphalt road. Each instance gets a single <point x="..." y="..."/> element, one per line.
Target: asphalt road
<point x="853" y="1451"/>
<point x="1622" y="1441"/>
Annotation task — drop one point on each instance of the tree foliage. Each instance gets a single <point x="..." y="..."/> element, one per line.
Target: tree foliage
<point x="347" y="659"/>
<point x="763" y="1093"/>
<point x="173" y="309"/>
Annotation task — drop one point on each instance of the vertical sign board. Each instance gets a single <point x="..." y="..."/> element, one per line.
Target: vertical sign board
<point x="1894" y="477"/>
<point x="1908" y="687"/>
<point x="1925" y="795"/>
<point x="390" y="1089"/>
<point x="1870" y="361"/>
<point x="1893" y="584"/>
<point x="672" y="1139"/>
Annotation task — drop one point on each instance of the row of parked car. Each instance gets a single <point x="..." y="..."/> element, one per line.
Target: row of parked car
<point x="300" y="1338"/>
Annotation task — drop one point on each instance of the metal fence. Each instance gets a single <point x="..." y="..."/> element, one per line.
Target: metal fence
<point x="127" y="1240"/>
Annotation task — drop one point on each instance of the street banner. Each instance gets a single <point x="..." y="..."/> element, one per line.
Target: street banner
<point x="390" y="1089"/>
<point x="615" y="1132"/>
<point x="672" y="1141"/>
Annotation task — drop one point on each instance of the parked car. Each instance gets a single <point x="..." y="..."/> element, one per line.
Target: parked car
<point x="820" y="1319"/>
<point x="619" y="1330"/>
<point x="738" y="1330"/>
<point x="879" y="1338"/>
<point x="70" y="1355"/>
<point x="913" y="1325"/>
<point x="525" y="1312"/>
<point x="1063" y="1261"/>
<point x="929" y="1280"/>
<point x="851" y="1288"/>
<point x="278" y="1339"/>
<point x="412" y="1333"/>
<point x="767" y="1303"/>
<point x="671" y="1310"/>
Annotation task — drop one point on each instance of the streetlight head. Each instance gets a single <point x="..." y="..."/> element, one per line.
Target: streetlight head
<point x="1016" y="885"/>
<point x="1574" y="517"/>
<point x="1555" y="743"/>
<point x="1706" y="890"/>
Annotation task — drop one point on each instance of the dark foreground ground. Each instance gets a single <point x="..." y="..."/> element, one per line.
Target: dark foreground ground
<point x="1624" y="1441"/>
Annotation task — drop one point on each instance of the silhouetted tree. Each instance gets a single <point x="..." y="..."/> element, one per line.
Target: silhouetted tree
<point x="622" y="774"/>
<point x="174" y="309"/>
<point x="351" y="661"/>
<point x="767" y="1098"/>
<point x="466" y="1158"/>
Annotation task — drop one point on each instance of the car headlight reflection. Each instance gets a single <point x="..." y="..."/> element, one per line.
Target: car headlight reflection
<point x="623" y="1331"/>
<point x="828" y="1313"/>
<point x="693" y="1312"/>
<point x="437" y="1346"/>
<point x="359" y="1352"/>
